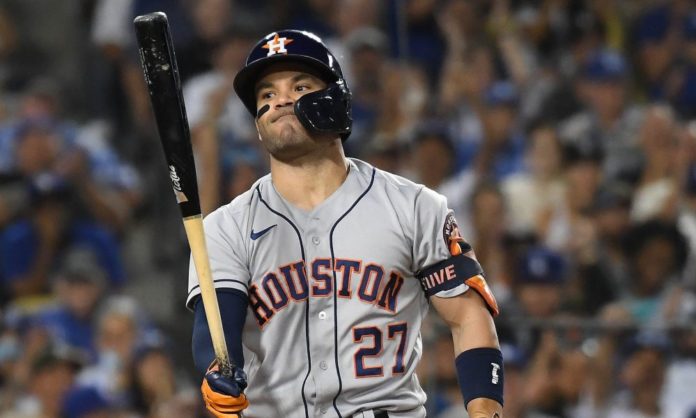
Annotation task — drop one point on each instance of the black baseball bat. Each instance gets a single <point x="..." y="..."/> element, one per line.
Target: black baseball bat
<point x="164" y="85"/>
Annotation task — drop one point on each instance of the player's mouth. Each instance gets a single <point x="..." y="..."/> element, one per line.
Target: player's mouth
<point x="283" y="114"/>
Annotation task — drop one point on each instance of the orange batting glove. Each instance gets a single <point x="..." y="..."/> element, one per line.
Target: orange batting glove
<point x="224" y="395"/>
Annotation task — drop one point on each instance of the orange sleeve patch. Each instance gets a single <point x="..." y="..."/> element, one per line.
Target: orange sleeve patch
<point x="479" y="284"/>
<point x="454" y="247"/>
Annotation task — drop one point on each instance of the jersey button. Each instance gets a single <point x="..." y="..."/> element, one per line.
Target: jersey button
<point x="322" y="315"/>
<point x="323" y="365"/>
<point x="315" y="240"/>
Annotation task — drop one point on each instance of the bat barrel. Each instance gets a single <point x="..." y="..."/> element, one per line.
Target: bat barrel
<point x="164" y="86"/>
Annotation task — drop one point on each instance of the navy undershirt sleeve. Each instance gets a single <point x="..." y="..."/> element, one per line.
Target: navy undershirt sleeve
<point x="233" y="310"/>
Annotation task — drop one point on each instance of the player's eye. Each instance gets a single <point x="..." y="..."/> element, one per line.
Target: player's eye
<point x="302" y="87"/>
<point x="265" y="95"/>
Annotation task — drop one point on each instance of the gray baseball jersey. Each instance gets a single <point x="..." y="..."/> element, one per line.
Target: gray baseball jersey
<point x="335" y="299"/>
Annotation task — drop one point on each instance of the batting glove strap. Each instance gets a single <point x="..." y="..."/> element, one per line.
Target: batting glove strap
<point x="227" y="385"/>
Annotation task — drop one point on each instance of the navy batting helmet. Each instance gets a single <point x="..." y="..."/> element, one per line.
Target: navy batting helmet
<point x="325" y="111"/>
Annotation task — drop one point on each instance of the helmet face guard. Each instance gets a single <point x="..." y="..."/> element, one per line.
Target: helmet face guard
<point x="324" y="111"/>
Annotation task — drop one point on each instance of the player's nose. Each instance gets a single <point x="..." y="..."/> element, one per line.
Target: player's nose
<point x="283" y="99"/>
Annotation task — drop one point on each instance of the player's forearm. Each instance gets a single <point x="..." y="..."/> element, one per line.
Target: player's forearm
<point x="233" y="309"/>
<point x="474" y="326"/>
<point x="474" y="334"/>
<point x="478" y="359"/>
<point x="484" y="408"/>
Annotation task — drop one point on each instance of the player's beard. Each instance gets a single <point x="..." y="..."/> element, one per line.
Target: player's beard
<point x="286" y="139"/>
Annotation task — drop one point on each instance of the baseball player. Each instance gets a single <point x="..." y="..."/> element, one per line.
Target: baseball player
<point x="326" y="267"/>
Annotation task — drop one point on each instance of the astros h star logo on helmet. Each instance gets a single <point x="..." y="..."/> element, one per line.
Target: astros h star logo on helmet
<point x="277" y="45"/>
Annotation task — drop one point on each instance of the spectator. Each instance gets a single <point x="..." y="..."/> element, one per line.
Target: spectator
<point x="656" y="191"/>
<point x="556" y="378"/>
<point x="42" y="32"/>
<point x="680" y="376"/>
<point x="220" y="126"/>
<point x="355" y="20"/>
<point x="51" y="375"/>
<point x="120" y="330"/>
<point x="242" y="171"/>
<point x="533" y="195"/>
<point x="539" y="284"/>
<point x="609" y="121"/>
<point x="404" y="103"/>
<point x="656" y="39"/>
<point x="680" y="83"/>
<point x="601" y="270"/>
<point x="656" y="255"/>
<point x="485" y="230"/>
<point x="537" y="293"/>
<point x="389" y="99"/>
<point x="315" y="16"/>
<point x="570" y="228"/>
<point x="78" y="287"/>
<point x="369" y="68"/>
<point x="641" y="373"/>
<point x="66" y="187"/>
<point x="467" y="75"/>
<point x="420" y="40"/>
<point x="432" y="157"/>
<point x="385" y="154"/>
<point x="86" y="402"/>
<point x="156" y="389"/>
<point x="501" y="152"/>
<point x="210" y="19"/>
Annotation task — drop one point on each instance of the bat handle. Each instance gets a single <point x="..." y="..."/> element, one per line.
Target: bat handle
<point x="225" y="366"/>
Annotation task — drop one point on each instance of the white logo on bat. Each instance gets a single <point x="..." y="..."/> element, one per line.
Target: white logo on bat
<point x="176" y="184"/>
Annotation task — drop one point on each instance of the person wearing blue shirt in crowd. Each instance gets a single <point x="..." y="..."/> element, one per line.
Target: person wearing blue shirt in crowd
<point x="79" y="287"/>
<point x="502" y="151"/>
<point x="86" y="402"/>
<point x="499" y="152"/>
<point x="59" y="186"/>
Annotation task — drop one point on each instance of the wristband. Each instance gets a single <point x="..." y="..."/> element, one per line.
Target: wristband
<point x="480" y="374"/>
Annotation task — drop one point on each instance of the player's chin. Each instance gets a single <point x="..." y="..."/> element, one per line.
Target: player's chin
<point x="286" y="142"/>
<point x="289" y="152"/>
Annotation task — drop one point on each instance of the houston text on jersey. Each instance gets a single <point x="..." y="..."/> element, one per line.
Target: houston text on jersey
<point x="369" y="282"/>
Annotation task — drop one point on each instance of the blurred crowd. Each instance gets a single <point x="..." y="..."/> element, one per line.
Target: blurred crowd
<point x="563" y="133"/>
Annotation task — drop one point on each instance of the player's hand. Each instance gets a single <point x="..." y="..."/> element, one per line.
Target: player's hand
<point x="224" y="395"/>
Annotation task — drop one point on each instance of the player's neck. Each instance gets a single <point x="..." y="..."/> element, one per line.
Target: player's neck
<point x="307" y="184"/>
